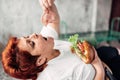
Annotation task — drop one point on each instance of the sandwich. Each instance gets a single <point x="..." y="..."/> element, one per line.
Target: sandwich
<point x="82" y="49"/>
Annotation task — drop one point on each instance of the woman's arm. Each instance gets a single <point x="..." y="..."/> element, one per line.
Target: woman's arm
<point x="97" y="63"/>
<point x="53" y="18"/>
<point x="50" y="16"/>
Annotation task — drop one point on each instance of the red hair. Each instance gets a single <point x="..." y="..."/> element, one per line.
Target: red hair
<point x="20" y="64"/>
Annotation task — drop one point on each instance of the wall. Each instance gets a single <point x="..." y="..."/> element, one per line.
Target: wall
<point x="22" y="17"/>
<point x="19" y="17"/>
<point x="103" y="14"/>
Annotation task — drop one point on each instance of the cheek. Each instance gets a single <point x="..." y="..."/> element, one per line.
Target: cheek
<point x="38" y="50"/>
<point x="40" y="46"/>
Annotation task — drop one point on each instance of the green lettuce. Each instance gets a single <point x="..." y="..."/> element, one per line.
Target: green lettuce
<point x="74" y="40"/>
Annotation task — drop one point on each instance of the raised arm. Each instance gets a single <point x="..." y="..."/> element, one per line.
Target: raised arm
<point x="50" y="15"/>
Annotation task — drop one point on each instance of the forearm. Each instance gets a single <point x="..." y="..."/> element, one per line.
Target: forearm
<point x="55" y="19"/>
<point x="51" y="18"/>
<point x="97" y="63"/>
<point x="100" y="74"/>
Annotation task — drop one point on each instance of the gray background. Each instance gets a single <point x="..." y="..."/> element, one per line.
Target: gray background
<point x="22" y="17"/>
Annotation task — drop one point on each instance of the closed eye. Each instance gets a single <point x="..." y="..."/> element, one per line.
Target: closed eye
<point x="45" y="38"/>
<point x="26" y="37"/>
<point x="31" y="43"/>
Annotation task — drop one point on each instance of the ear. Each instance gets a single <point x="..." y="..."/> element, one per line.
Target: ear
<point x="40" y="61"/>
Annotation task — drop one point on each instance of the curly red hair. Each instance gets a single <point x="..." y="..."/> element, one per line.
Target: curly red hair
<point x="20" y="64"/>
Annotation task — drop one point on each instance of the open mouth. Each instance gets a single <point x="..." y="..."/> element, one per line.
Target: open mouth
<point x="45" y="38"/>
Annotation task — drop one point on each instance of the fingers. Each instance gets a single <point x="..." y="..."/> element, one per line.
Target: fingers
<point x="46" y="3"/>
<point x="80" y="46"/>
<point x="50" y="2"/>
<point x="42" y="5"/>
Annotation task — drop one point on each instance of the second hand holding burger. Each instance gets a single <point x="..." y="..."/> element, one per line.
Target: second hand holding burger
<point x="82" y="48"/>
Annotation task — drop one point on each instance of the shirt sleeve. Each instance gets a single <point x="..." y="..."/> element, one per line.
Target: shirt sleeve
<point x="86" y="72"/>
<point x="48" y="31"/>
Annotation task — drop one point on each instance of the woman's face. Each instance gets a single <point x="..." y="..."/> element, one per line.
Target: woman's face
<point x="36" y="44"/>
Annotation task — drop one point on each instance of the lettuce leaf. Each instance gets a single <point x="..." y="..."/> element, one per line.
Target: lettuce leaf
<point x="74" y="39"/>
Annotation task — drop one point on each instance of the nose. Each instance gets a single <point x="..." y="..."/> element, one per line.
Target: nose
<point x="34" y="35"/>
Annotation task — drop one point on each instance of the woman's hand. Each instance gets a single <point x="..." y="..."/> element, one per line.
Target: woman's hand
<point x="97" y="63"/>
<point x="51" y="17"/>
<point x="46" y="4"/>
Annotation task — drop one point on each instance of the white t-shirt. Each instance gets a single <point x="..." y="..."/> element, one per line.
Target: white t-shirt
<point x="67" y="66"/>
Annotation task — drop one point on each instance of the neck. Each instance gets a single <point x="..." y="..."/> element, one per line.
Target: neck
<point x="54" y="54"/>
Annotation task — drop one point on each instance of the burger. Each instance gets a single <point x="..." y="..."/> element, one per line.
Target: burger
<point x="82" y="49"/>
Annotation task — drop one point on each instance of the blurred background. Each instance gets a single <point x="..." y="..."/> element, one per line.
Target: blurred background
<point x="94" y="20"/>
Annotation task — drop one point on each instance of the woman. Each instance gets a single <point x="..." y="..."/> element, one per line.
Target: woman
<point x="43" y="57"/>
